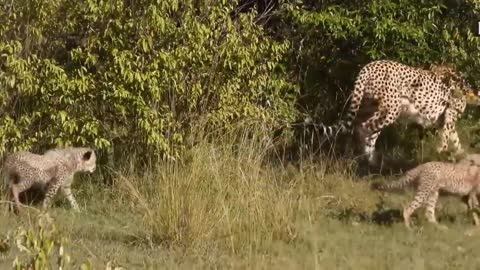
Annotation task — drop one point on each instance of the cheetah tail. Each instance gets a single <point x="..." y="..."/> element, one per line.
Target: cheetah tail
<point x="345" y="125"/>
<point x="397" y="186"/>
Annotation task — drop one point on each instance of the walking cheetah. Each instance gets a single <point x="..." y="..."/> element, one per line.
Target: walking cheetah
<point x="461" y="179"/>
<point x="54" y="169"/>
<point x="427" y="97"/>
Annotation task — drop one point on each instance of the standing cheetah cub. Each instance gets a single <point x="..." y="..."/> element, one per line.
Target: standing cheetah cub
<point x="462" y="178"/>
<point x="54" y="169"/>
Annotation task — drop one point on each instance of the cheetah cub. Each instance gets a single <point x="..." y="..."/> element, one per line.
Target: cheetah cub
<point x="462" y="178"/>
<point x="53" y="170"/>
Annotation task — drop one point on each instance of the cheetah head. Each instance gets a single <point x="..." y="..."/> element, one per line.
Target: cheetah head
<point x="454" y="79"/>
<point x="88" y="161"/>
<point x="470" y="159"/>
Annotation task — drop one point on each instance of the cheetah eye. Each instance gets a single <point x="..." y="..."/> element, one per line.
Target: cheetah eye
<point x="87" y="155"/>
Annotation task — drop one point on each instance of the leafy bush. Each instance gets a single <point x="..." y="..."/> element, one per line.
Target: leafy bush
<point x="144" y="75"/>
<point x="136" y="75"/>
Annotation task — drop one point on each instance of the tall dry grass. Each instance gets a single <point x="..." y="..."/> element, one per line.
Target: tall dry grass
<point x="233" y="193"/>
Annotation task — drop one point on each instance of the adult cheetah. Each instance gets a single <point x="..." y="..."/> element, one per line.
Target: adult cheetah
<point x="427" y="97"/>
<point x="54" y="170"/>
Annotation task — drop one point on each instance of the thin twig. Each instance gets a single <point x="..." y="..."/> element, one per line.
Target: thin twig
<point x="23" y="205"/>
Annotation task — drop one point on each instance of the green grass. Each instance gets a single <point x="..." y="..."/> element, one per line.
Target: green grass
<point x="215" y="209"/>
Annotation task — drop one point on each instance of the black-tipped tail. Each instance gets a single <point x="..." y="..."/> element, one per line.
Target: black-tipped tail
<point x="331" y="131"/>
<point x="327" y="130"/>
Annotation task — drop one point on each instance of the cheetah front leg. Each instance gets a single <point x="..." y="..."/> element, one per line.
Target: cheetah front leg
<point x="472" y="205"/>
<point x="67" y="192"/>
<point x="449" y="134"/>
<point x="456" y="142"/>
<point x="52" y="190"/>
<point x="430" y="210"/>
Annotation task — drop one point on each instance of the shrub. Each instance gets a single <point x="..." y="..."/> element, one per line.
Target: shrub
<point x="133" y="75"/>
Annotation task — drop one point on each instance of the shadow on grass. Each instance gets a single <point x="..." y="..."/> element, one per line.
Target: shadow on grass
<point x="339" y="151"/>
<point x="384" y="217"/>
<point x="388" y="217"/>
<point x="34" y="195"/>
<point x="386" y="166"/>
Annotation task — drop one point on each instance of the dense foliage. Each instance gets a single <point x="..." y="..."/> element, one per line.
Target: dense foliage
<point x="135" y="73"/>
<point x="142" y="75"/>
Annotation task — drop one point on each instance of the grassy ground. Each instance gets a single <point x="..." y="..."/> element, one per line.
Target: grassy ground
<point x="215" y="209"/>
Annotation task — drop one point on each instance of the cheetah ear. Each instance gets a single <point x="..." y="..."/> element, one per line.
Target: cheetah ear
<point x="446" y="78"/>
<point x="87" y="155"/>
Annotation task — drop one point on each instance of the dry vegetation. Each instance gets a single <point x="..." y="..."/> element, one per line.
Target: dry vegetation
<point x="231" y="205"/>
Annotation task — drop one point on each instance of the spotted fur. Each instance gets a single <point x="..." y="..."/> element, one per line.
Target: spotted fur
<point x="461" y="179"/>
<point x="54" y="170"/>
<point x="427" y="97"/>
<point x="472" y="159"/>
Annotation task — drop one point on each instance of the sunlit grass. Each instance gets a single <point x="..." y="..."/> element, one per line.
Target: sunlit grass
<point x="224" y="204"/>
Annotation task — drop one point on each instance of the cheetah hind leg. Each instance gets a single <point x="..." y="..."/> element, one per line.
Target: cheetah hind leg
<point x="10" y="202"/>
<point x="472" y="205"/>
<point x="420" y="199"/>
<point x="370" y="130"/>
<point x="409" y="209"/>
<point x="15" y="195"/>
